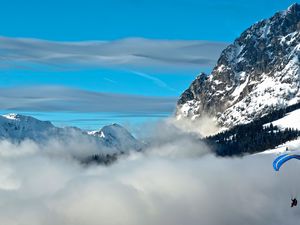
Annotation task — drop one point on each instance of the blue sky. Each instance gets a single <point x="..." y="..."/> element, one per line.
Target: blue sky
<point x="68" y="20"/>
<point x="131" y="48"/>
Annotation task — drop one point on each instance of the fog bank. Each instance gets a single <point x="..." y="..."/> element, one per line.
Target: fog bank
<point x="159" y="186"/>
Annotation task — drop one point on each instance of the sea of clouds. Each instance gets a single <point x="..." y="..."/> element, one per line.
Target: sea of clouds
<point x="176" y="180"/>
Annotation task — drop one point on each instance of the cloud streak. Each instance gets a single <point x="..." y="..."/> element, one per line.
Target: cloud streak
<point x="58" y="98"/>
<point x="131" y="53"/>
<point x="155" y="80"/>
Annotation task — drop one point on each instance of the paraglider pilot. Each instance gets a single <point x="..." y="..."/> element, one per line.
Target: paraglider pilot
<point x="294" y="202"/>
<point x="279" y="161"/>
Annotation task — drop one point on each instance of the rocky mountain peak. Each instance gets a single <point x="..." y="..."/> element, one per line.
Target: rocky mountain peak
<point x="293" y="9"/>
<point x="258" y="72"/>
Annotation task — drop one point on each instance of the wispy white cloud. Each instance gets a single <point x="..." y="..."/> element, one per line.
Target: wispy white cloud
<point x="154" y="79"/>
<point x="131" y="53"/>
<point x="110" y="80"/>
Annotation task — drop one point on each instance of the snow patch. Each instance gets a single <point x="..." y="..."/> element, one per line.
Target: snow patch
<point x="291" y="120"/>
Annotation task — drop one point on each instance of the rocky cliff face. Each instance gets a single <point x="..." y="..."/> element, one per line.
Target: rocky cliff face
<point x="259" y="72"/>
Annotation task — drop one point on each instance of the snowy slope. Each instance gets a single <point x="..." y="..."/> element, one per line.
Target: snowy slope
<point x="18" y="127"/>
<point x="291" y="120"/>
<point x="288" y="147"/>
<point x="118" y="137"/>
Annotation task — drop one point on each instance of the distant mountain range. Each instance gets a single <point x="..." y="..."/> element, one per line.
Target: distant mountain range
<point x="16" y="128"/>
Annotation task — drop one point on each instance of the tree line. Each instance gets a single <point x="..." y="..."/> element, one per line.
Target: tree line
<point x="255" y="136"/>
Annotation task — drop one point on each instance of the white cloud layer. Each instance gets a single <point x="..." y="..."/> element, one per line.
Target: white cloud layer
<point x="131" y="53"/>
<point x="159" y="187"/>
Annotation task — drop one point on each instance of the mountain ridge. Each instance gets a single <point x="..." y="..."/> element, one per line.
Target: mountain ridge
<point x="256" y="74"/>
<point x="17" y="128"/>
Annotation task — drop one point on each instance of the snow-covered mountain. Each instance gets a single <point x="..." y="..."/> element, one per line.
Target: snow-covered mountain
<point x="118" y="137"/>
<point x="16" y="128"/>
<point x="256" y="74"/>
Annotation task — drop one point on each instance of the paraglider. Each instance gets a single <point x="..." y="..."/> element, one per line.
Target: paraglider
<point x="279" y="161"/>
